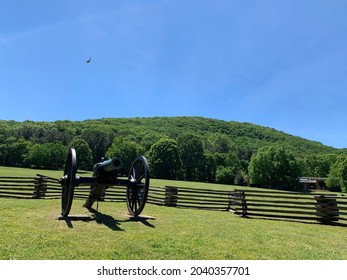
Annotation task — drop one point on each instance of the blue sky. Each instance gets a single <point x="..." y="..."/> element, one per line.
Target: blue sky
<point x="280" y="64"/>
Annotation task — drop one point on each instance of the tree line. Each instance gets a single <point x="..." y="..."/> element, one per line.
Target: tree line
<point x="192" y="149"/>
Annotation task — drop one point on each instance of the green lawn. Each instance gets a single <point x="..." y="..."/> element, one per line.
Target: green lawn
<point x="11" y="171"/>
<point x="32" y="229"/>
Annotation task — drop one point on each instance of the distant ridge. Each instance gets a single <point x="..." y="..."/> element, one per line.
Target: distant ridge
<point x="244" y="135"/>
<point x="146" y="129"/>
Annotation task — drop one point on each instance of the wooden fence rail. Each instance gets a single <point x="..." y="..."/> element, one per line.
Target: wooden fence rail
<point x="324" y="208"/>
<point x="190" y="198"/>
<point x="41" y="186"/>
<point x="21" y="187"/>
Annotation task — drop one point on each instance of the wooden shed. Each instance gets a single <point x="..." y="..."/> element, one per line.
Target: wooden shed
<point x="316" y="183"/>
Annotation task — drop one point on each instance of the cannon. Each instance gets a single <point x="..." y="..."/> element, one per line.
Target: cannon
<point x="105" y="174"/>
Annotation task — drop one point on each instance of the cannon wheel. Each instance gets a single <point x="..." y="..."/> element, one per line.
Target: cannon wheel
<point x="68" y="182"/>
<point x="137" y="189"/>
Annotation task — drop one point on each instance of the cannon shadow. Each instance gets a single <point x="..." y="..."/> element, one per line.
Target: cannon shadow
<point x="110" y="222"/>
<point x="106" y="220"/>
<point x="68" y="220"/>
<point x="142" y="219"/>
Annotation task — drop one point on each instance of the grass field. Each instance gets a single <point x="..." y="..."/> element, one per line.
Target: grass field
<point x="32" y="229"/>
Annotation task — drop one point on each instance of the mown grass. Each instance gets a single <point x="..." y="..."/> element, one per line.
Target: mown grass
<point x="32" y="229"/>
<point x="11" y="171"/>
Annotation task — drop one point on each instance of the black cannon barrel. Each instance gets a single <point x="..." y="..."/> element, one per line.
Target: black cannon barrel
<point x="106" y="166"/>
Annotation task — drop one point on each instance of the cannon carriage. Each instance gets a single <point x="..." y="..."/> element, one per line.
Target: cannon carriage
<point x="105" y="175"/>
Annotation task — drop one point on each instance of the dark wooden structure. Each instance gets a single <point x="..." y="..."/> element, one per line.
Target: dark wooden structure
<point x="326" y="208"/>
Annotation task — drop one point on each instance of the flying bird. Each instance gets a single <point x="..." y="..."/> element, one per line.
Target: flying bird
<point x="89" y="60"/>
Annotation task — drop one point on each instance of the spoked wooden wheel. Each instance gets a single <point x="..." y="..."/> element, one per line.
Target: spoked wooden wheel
<point x="68" y="182"/>
<point x="137" y="189"/>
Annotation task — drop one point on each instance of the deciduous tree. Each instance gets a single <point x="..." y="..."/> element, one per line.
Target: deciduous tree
<point x="84" y="153"/>
<point x="164" y="159"/>
<point x="273" y="166"/>
<point x="126" y="150"/>
<point x="191" y="153"/>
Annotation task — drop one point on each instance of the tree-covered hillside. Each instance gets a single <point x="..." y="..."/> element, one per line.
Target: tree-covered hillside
<point x="244" y="135"/>
<point x="197" y="148"/>
<point x="146" y="131"/>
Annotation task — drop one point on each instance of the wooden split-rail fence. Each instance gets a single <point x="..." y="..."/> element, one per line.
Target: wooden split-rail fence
<point x="327" y="208"/>
<point x="41" y="186"/>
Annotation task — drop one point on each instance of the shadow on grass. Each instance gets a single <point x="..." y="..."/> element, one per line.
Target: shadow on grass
<point x="141" y="219"/>
<point x="68" y="220"/>
<point x="106" y="220"/>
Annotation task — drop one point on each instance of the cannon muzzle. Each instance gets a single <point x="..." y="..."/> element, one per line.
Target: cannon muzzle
<point x="107" y="166"/>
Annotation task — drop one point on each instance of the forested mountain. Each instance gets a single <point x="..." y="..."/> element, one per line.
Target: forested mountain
<point x="242" y="134"/>
<point x="44" y="144"/>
